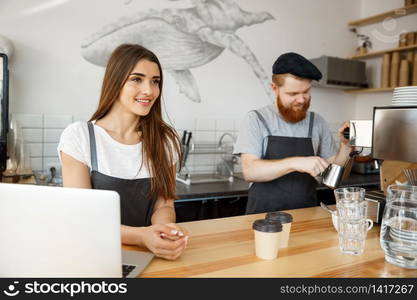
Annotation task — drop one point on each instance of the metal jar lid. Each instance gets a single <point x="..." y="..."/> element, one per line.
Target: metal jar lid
<point x="267" y="225"/>
<point x="279" y="216"/>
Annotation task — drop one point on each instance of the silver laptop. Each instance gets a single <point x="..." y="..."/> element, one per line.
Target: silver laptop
<point x="63" y="232"/>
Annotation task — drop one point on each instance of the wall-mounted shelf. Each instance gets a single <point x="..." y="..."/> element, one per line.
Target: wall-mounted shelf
<point x="373" y="90"/>
<point x="382" y="52"/>
<point x="395" y="13"/>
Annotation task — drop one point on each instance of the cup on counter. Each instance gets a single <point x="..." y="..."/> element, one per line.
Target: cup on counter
<point x="352" y="221"/>
<point x="286" y="220"/>
<point x="267" y="238"/>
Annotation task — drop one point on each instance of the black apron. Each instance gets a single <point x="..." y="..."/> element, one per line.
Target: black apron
<point x="293" y="190"/>
<point x="136" y="202"/>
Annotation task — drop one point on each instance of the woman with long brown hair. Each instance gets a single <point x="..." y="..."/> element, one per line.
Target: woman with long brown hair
<point x="127" y="147"/>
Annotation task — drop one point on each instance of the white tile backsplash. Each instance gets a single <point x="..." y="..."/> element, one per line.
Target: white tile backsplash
<point x="185" y="124"/>
<point x="49" y="149"/>
<point x="35" y="149"/>
<point x="27" y="120"/>
<point x="83" y="118"/>
<point x="208" y="131"/>
<point x="224" y="124"/>
<point x="205" y="124"/>
<point x="42" y="134"/>
<point x="53" y="121"/>
<point x="52" y="135"/>
<point x="36" y="163"/>
<point x="205" y="169"/>
<point x="235" y="126"/>
<point x="204" y="160"/>
<point x="238" y="124"/>
<point x="203" y="136"/>
<point x="32" y="135"/>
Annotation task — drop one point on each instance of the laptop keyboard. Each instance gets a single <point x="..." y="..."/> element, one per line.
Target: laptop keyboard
<point x="126" y="269"/>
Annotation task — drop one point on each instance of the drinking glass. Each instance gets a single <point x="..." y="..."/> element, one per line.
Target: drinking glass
<point x="399" y="226"/>
<point x="353" y="224"/>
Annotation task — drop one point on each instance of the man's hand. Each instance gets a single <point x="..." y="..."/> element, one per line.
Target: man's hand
<point x="313" y="165"/>
<point x="345" y="148"/>
<point x="343" y="140"/>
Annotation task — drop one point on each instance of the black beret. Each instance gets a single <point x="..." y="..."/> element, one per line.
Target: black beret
<point x="297" y="65"/>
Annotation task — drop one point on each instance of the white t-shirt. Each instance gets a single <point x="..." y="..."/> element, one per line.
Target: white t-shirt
<point x="113" y="158"/>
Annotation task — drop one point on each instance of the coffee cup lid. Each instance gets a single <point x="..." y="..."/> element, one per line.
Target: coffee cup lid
<point x="267" y="225"/>
<point x="279" y="216"/>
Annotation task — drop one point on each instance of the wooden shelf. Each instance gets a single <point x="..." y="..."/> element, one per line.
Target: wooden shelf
<point x="373" y="90"/>
<point x="396" y="13"/>
<point x="382" y="52"/>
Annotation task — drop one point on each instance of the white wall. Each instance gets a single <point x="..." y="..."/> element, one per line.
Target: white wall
<point x="50" y="76"/>
<point x="384" y="35"/>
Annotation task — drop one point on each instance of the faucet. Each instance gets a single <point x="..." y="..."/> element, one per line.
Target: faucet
<point x="223" y="136"/>
<point x="54" y="180"/>
<point x="228" y="160"/>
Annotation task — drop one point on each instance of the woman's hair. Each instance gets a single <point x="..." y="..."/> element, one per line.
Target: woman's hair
<point x="160" y="142"/>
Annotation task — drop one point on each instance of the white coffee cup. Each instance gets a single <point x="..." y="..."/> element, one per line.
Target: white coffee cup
<point x="286" y="220"/>
<point x="267" y="238"/>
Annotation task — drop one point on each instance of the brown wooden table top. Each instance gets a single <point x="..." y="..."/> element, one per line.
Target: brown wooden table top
<point x="225" y="248"/>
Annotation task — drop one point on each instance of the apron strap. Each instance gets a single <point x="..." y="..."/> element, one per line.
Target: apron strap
<point x="310" y="125"/>
<point x="93" y="151"/>
<point x="262" y="119"/>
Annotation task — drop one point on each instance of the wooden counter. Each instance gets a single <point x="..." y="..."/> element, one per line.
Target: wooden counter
<point x="225" y="248"/>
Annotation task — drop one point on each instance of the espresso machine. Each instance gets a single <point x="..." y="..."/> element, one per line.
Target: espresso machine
<point x="4" y="111"/>
<point x="392" y="136"/>
<point x="395" y="141"/>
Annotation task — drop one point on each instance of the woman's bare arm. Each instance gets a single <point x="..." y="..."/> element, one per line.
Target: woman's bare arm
<point x="74" y="173"/>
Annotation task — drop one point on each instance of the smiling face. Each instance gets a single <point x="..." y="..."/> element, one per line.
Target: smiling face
<point x="293" y="98"/>
<point x="141" y="89"/>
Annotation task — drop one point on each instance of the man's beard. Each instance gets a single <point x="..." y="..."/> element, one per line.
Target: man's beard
<point x="293" y="113"/>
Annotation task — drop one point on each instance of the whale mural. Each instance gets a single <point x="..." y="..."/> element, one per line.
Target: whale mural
<point x="182" y="39"/>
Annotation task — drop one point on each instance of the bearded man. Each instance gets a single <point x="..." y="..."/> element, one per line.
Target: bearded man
<point x="283" y="146"/>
